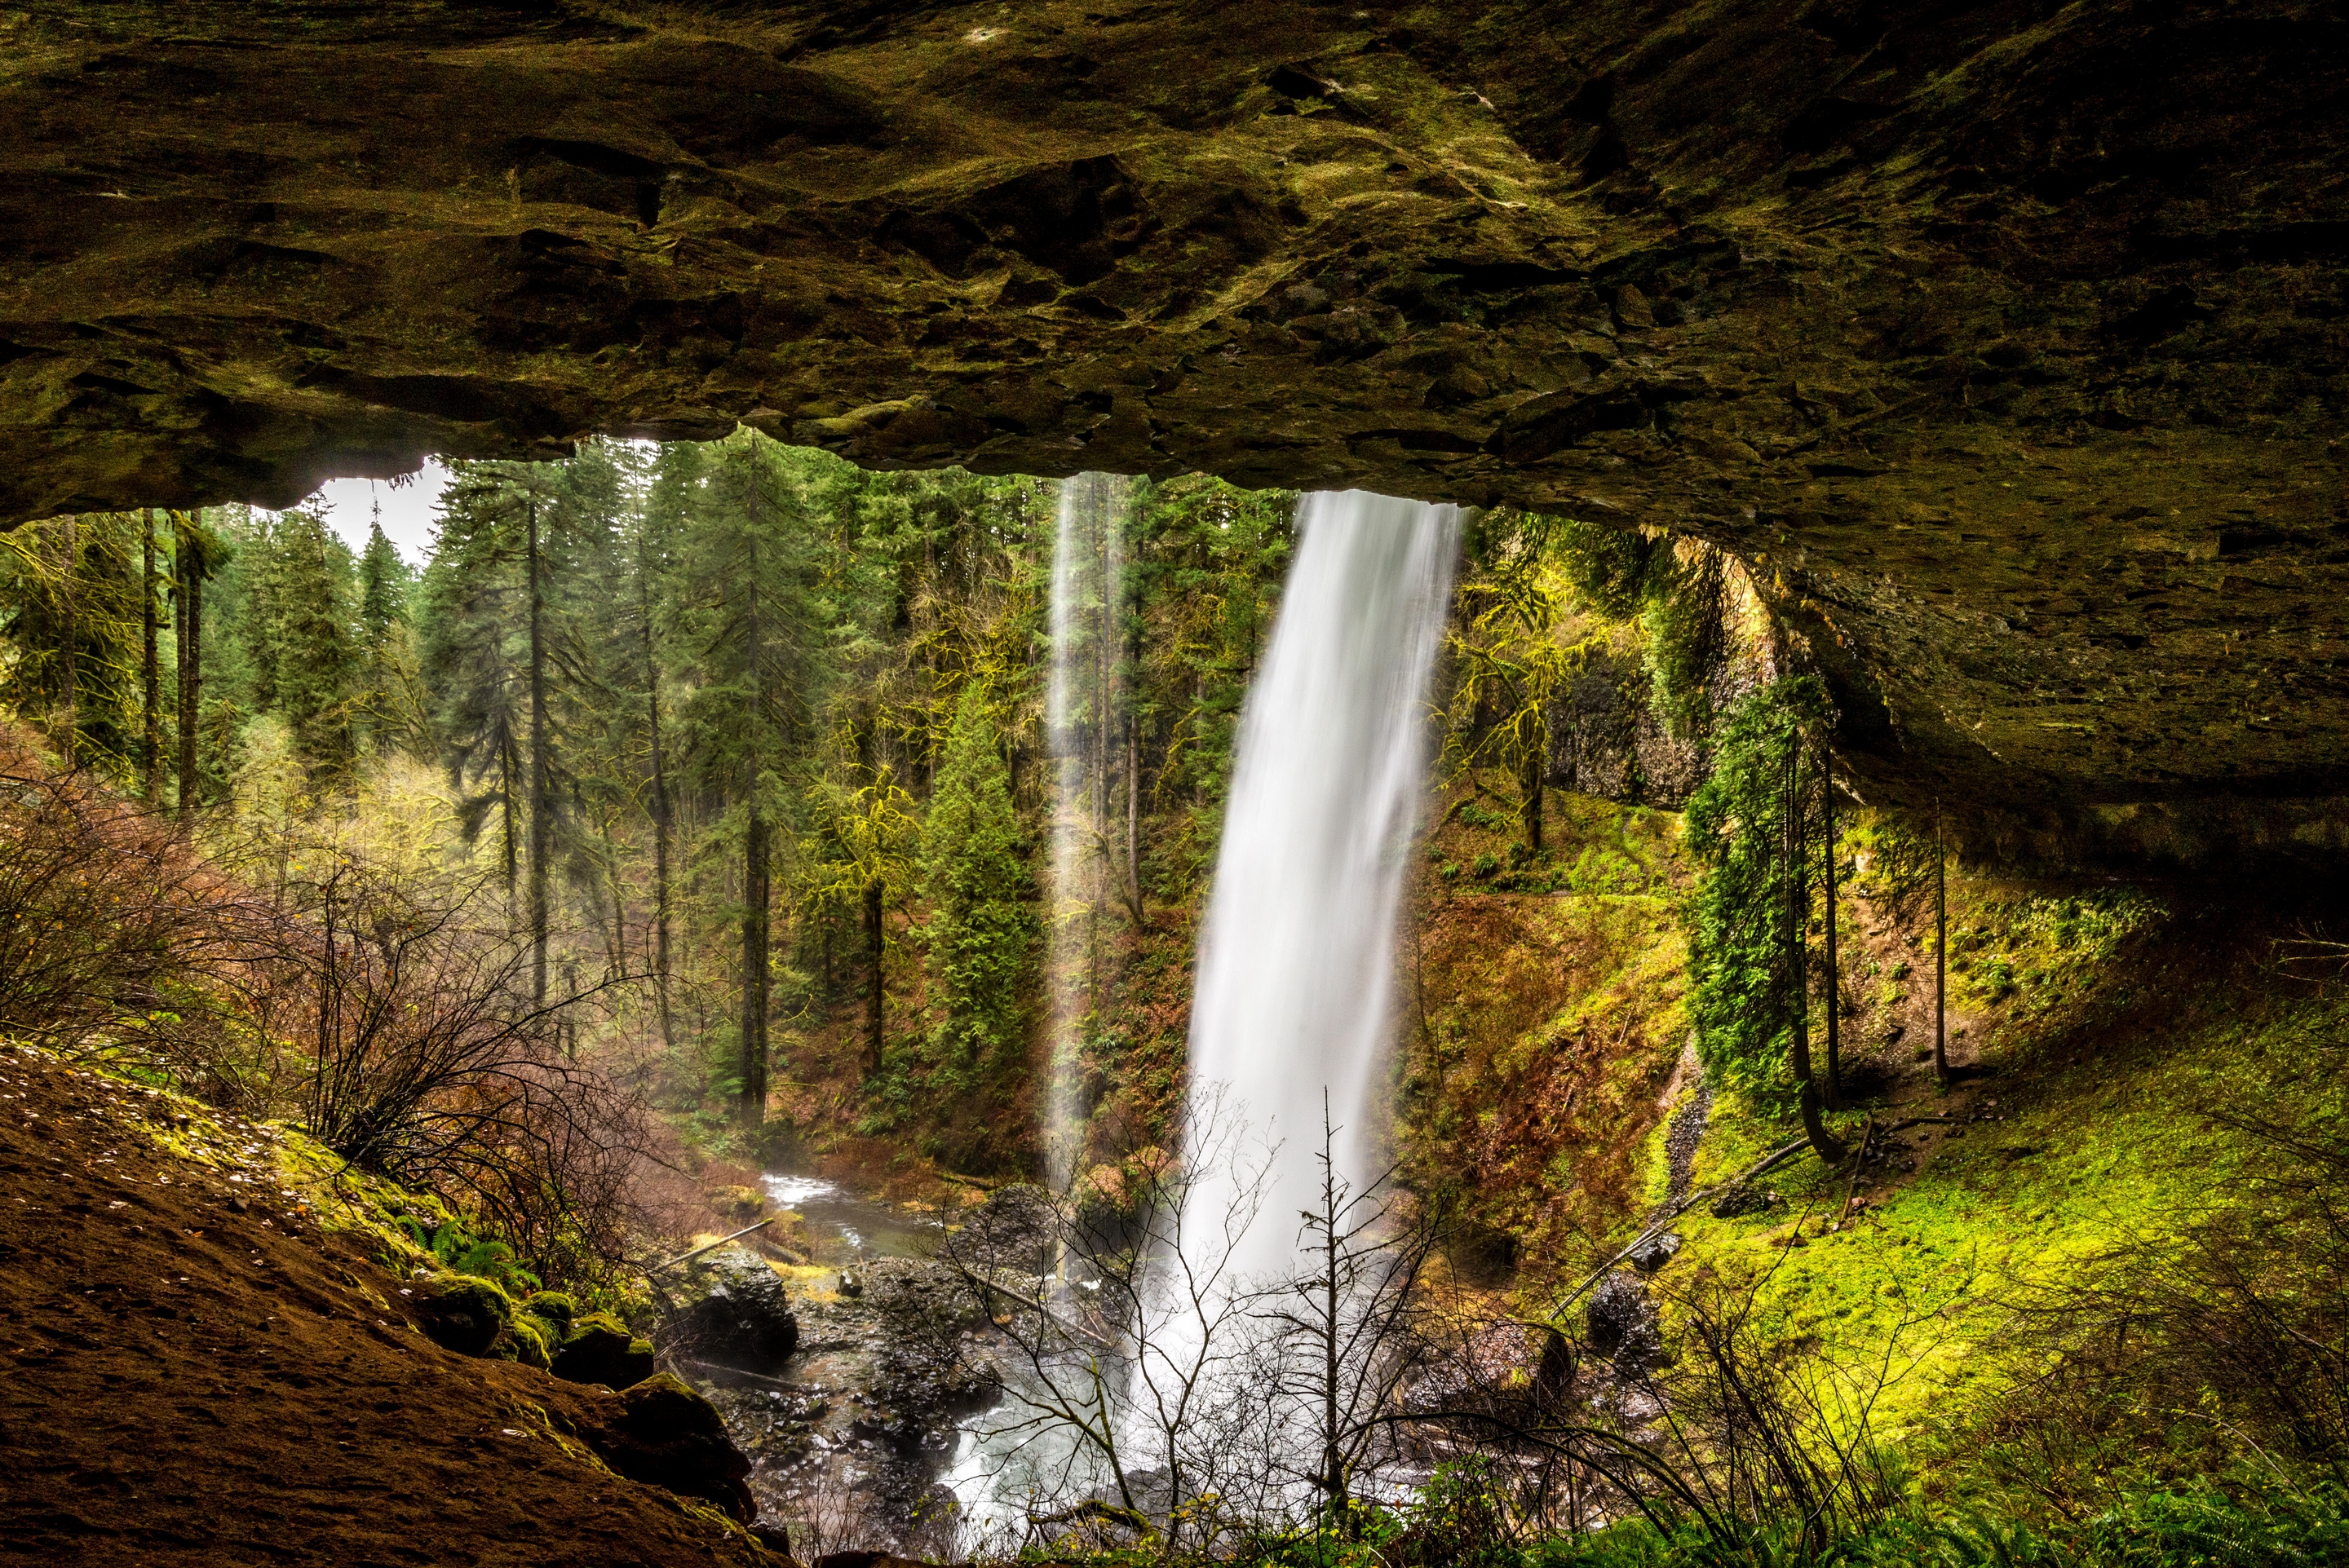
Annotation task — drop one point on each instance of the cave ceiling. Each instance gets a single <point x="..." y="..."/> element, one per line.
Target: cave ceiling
<point x="2005" y="342"/>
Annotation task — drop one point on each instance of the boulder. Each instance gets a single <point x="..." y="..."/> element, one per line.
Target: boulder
<point x="599" y="1349"/>
<point x="529" y="1339"/>
<point x="462" y="1313"/>
<point x="553" y="1306"/>
<point x="1741" y="1199"/>
<point x="663" y="1433"/>
<point x="1654" y="1253"/>
<point x="1615" y="1311"/>
<point x="738" y="1314"/>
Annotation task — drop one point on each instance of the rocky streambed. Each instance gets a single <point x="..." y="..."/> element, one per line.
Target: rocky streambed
<point x="846" y="1378"/>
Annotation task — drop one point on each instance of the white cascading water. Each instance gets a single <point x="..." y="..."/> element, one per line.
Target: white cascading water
<point x="1087" y="545"/>
<point x="1297" y="958"/>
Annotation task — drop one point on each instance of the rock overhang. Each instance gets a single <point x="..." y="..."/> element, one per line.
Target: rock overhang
<point x="2004" y="342"/>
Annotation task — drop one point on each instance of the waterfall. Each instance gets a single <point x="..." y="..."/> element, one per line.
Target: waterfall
<point x="1296" y="960"/>
<point x="1079" y="712"/>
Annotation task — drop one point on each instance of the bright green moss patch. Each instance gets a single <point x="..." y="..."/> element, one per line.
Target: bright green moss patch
<point x="2113" y="1143"/>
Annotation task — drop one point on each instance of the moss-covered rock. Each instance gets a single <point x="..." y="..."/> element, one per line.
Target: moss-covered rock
<point x="735" y="1312"/>
<point x="462" y="1313"/>
<point x="555" y="1307"/>
<point x="600" y="1350"/>
<point x="529" y="1339"/>
<point x="662" y="1433"/>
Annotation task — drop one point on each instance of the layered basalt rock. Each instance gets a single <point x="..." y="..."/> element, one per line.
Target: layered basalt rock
<point x="2003" y="341"/>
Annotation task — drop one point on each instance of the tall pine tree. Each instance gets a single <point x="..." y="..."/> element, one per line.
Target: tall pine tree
<point x="982" y="923"/>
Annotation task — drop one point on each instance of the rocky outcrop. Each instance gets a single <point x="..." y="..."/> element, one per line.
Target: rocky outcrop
<point x="665" y="1434"/>
<point x="1606" y="740"/>
<point x="2004" y="343"/>
<point x="735" y="1312"/>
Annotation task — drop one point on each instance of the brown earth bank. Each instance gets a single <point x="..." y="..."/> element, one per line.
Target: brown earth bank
<point x="2003" y="340"/>
<point x="191" y="1371"/>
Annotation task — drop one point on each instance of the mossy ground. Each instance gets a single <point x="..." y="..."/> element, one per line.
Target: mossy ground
<point x="2104" y="1033"/>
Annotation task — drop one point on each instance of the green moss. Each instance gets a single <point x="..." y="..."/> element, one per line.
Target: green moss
<point x="2057" y="1171"/>
<point x="554" y="1306"/>
<point x="600" y="1350"/>
<point x="532" y="1339"/>
<point x="465" y="1314"/>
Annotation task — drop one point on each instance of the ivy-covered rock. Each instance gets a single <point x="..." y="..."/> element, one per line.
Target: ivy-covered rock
<point x="462" y="1313"/>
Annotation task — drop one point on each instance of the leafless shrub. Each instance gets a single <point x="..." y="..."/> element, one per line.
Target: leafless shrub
<point x="1706" y="1425"/>
<point x="112" y="932"/>
<point x="1125" y="1399"/>
<point x="422" y="1053"/>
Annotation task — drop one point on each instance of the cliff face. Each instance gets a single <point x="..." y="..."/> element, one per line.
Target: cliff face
<point x="2004" y="341"/>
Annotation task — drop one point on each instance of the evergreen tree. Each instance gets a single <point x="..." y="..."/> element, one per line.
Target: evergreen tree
<point x="384" y="583"/>
<point x="982" y="926"/>
<point x="750" y="615"/>
<point x="475" y="661"/>
<point x="302" y="646"/>
<point x="72" y="602"/>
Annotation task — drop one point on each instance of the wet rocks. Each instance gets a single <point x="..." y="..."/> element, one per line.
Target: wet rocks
<point x="1614" y="1309"/>
<point x="738" y="1312"/>
<point x="1741" y="1199"/>
<point x="1620" y="1322"/>
<point x="1653" y="1252"/>
<point x="1017" y="1228"/>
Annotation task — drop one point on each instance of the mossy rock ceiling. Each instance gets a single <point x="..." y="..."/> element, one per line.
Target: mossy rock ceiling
<point x="2004" y="341"/>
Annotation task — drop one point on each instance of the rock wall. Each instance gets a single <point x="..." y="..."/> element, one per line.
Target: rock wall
<point x="2003" y="341"/>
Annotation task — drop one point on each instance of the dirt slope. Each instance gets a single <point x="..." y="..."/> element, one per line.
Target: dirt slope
<point x="191" y="1375"/>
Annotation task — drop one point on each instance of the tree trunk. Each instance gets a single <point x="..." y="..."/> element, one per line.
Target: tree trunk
<point x="1531" y="782"/>
<point x="756" y="875"/>
<point x="1333" y="1463"/>
<point x="1834" y="970"/>
<point x="150" y="675"/>
<point x="1133" y="906"/>
<point x="872" y="949"/>
<point x="661" y="801"/>
<point x="541" y="807"/>
<point x="509" y="767"/>
<point x="1798" y="917"/>
<point x="189" y="554"/>
<point x="1941" y="958"/>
